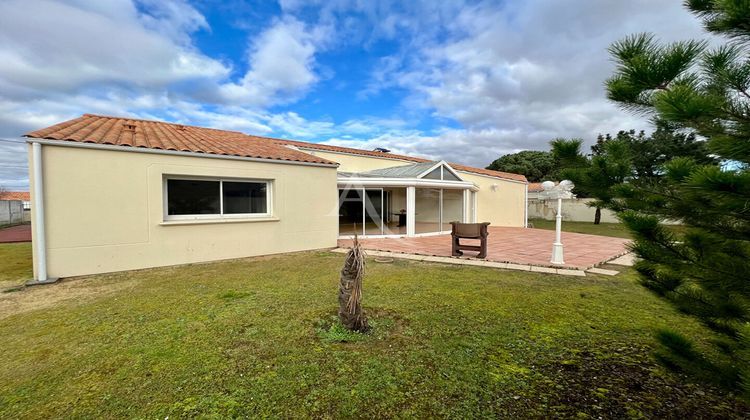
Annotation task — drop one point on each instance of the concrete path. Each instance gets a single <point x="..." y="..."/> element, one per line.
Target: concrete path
<point x="20" y="233"/>
<point x="474" y="262"/>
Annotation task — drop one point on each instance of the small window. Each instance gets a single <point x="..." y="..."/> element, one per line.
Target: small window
<point x="442" y="173"/>
<point x="434" y="174"/>
<point x="448" y="176"/>
<point x="198" y="199"/>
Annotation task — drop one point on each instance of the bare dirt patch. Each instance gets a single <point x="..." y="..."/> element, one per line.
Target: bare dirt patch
<point x="25" y="299"/>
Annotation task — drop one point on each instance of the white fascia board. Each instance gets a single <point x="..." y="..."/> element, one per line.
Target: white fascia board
<point x="133" y="149"/>
<point x="493" y="177"/>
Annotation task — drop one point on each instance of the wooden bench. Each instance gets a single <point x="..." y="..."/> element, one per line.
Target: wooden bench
<point x="469" y="231"/>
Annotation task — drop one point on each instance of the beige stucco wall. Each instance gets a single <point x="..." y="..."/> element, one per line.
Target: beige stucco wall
<point x="354" y="163"/>
<point x="505" y="206"/>
<point x="104" y="211"/>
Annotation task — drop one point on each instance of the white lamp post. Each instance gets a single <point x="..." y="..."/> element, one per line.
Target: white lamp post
<point x="559" y="191"/>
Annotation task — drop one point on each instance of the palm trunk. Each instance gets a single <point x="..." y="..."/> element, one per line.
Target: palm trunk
<point x="598" y="216"/>
<point x="350" y="290"/>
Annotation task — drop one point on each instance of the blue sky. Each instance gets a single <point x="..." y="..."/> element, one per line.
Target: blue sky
<point x="466" y="81"/>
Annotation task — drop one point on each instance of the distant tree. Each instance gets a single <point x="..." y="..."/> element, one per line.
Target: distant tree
<point x="535" y="165"/>
<point x="650" y="153"/>
<point x="704" y="271"/>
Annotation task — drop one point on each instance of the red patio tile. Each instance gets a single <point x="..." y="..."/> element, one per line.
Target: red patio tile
<point x="513" y="245"/>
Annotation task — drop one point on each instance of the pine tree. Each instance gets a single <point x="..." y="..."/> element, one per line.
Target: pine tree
<point x="610" y="165"/>
<point x="705" y="269"/>
<point x="534" y="164"/>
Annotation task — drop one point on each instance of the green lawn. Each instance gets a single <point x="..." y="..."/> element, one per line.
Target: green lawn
<point x="15" y="263"/>
<point x="251" y="338"/>
<point x="604" y="229"/>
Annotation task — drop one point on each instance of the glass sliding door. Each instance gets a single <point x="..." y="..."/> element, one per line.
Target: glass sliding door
<point x="436" y="208"/>
<point x="453" y="208"/>
<point x="351" y="211"/>
<point x="427" y="210"/>
<point x="374" y="212"/>
<point x="361" y="211"/>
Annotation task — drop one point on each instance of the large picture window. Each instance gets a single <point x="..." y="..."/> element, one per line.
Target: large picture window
<point x="215" y="198"/>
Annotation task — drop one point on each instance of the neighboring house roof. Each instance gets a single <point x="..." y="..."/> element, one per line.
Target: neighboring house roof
<point x="535" y="187"/>
<point x="15" y="195"/>
<point x="128" y="132"/>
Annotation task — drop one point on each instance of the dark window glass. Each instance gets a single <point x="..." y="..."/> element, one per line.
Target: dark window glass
<point x="192" y="197"/>
<point x="435" y="174"/>
<point x="448" y="176"/>
<point x="244" y="197"/>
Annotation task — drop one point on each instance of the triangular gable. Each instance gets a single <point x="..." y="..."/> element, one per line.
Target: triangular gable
<point x="441" y="171"/>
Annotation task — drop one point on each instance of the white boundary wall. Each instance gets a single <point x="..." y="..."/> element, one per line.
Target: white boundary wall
<point x="11" y="212"/>
<point x="575" y="210"/>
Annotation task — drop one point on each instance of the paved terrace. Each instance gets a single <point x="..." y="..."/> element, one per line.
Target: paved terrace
<point x="530" y="247"/>
<point x="20" y="233"/>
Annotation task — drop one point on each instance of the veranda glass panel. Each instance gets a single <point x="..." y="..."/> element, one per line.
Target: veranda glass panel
<point x="350" y="212"/>
<point x="434" y="174"/>
<point x="374" y="212"/>
<point x="453" y="202"/>
<point x="427" y="217"/>
<point x="448" y="176"/>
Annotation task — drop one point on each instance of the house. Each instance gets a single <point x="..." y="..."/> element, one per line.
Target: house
<point x="535" y="188"/>
<point x="114" y="194"/>
<point x="22" y="196"/>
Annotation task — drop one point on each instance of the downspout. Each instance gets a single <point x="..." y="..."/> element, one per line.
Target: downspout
<point x="526" y="206"/>
<point x="40" y="242"/>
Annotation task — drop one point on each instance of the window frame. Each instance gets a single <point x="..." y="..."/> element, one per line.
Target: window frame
<point x="220" y="216"/>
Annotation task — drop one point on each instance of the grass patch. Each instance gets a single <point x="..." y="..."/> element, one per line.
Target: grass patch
<point x="256" y="338"/>
<point x="382" y="325"/>
<point x="234" y="294"/>
<point x="617" y="230"/>
<point x="335" y="332"/>
<point x="15" y="264"/>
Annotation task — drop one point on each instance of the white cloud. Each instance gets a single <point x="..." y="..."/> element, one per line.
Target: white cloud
<point x="51" y="46"/>
<point x="282" y="65"/>
<point x="488" y="77"/>
<point x="517" y="74"/>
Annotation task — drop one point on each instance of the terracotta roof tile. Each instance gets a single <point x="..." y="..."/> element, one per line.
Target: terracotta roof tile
<point x="535" y="187"/>
<point x="15" y="195"/>
<point x="130" y="132"/>
<point x="168" y="136"/>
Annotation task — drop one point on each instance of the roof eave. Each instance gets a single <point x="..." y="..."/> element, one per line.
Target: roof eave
<point x="132" y="149"/>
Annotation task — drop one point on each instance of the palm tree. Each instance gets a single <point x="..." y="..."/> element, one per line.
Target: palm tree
<point x="350" y="289"/>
